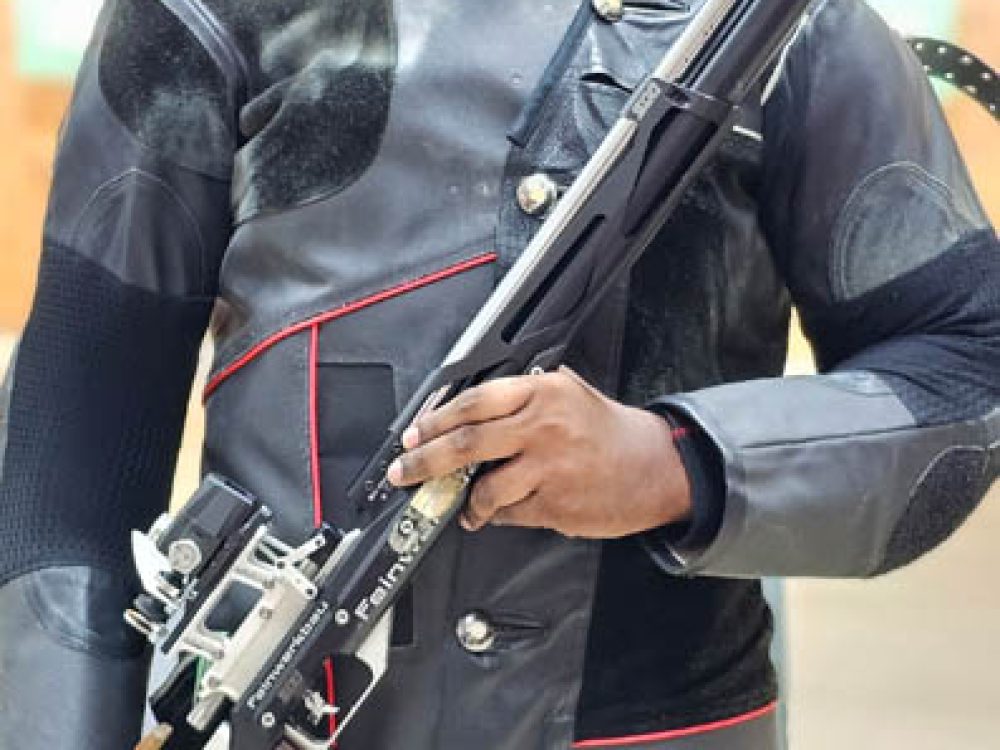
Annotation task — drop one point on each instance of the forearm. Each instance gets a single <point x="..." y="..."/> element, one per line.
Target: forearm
<point x="99" y="391"/>
<point x="867" y="467"/>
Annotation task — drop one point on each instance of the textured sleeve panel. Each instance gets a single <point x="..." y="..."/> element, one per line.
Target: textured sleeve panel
<point x="100" y="387"/>
<point x="896" y="274"/>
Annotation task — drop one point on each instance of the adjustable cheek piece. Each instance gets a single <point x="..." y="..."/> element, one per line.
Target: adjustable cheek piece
<point x="196" y="569"/>
<point x="245" y="668"/>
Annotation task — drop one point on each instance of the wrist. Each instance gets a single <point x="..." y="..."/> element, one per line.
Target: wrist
<point x="702" y="467"/>
<point x="665" y="481"/>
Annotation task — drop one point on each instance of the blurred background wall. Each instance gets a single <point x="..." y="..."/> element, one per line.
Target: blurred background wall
<point x="908" y="661"/>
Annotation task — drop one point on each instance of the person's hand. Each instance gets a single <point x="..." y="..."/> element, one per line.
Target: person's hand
<point x="572" y="460"/>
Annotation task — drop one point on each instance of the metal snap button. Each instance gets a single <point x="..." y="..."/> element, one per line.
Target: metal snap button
<point x="475" y="632"/>
<point x="536" y="193"/>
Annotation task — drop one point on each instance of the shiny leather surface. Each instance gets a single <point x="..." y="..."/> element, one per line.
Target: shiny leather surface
<point x="70" y="674"/>
<point x="430" y="198"/>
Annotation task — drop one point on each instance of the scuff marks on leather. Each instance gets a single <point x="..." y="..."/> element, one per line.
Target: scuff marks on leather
<point x="164" y="87"/>
<point x="316" y="131"/>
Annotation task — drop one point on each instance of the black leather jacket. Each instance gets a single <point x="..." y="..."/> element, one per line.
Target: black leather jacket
<point x="332" y="182"/>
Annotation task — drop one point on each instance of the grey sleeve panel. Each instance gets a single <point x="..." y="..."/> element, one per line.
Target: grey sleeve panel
<point x="68" y="679"/>
<point x="819" y="474"/>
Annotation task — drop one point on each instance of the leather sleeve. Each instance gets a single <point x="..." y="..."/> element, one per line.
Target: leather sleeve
<point x="896" y="275"/>
<point x="94" y="401"/>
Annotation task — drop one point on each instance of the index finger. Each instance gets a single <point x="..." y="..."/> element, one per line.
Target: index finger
<point x="494" y="399"/>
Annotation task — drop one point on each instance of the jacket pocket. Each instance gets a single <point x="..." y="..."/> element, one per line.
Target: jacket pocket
<point x="606" y="62"/>
<point x="356" y="402"/>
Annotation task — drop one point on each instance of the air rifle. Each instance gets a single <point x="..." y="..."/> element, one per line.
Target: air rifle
<point x="250" y="687"/>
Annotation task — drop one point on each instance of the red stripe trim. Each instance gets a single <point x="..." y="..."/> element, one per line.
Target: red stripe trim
<point x="678" y="433"/>
<point x="346" y="309"/>
<point x="331" y="693"/>
<point x="317" y="489"/>
<point x="674" y="734"/>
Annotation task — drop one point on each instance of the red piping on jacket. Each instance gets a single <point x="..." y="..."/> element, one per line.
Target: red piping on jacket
<point x="313" y="325"/>
<point x="346" y="309"/>
<point x="331" y="693"/>
<point x="317" y="489"/>
<point x="675" y="734"/>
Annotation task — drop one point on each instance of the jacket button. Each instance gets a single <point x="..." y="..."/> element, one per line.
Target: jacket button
<point x="609" y="10"/>
<point x="536" y="193"/>
<point x="476" y="633"/>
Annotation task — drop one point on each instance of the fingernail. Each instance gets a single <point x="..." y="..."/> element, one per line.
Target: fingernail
<point x="395" y="472"/>
<point x="411" y="438"/>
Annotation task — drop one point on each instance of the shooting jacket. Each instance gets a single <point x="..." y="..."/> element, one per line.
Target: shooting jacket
<point x="332" y="185"/>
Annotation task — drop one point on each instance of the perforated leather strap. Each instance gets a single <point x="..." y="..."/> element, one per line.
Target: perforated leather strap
<point x="960" y="68"/>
